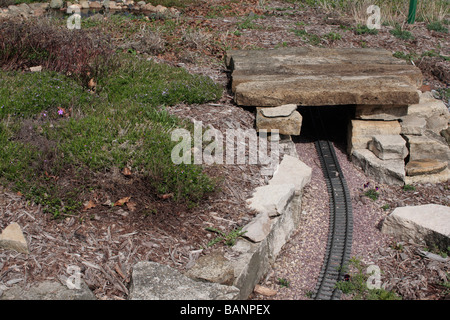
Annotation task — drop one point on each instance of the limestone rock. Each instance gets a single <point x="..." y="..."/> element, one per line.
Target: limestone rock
<point x="427" y="147"/>
<point x="212" y="268"/>
<point x="95" y="5"/>
<point x="380" y="112"/>
<point x="384" y="171"/>
<point x="413" y="125"/>
<point x="48" y="290"/>
<point x="281" y="111"/>
<point x="114" y="6"/>
<point x="258" y="229"/>
<point x="84" y="5"/>
<point x="360" y="132"/>
<point x="446" y="134"/>
<point x="321" y="76"/>
<point x="439" y="177"/>
<point x="424" y="166"/>
<point x="271" y="199"/>
<point x="36" y="69"/>
<point x="161" y="9"/>
<point x="428" y="223"/>
<point x="149" y="7"/>
<point x="56" y="4"/>
<point x="437" y="122"/>
<point x="12" y="238"/>
<point x="154" y="281"/>
<point x="388" y="147"/>
<point x="290" y="125"/>
<point x="428" y="105"/>
<point x="292" y="171"/>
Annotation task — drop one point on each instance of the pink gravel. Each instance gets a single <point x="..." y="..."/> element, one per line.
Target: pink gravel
<point x="301" y="259"/>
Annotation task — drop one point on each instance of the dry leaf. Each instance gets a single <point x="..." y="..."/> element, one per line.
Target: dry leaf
<point x="91" y="83"/>
<point x="264" y="291"/>
<point x="126" y="171"/>
<point x="166" y="196"/>
<point x="122" y="201"/>
<point x="119" y="271"/>
<point x="88" y="205"/>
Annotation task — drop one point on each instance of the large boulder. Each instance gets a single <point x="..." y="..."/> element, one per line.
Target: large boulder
<point x="428" y="147"/>
<point x="428" y="224"/>
<point x="154" y="281"/>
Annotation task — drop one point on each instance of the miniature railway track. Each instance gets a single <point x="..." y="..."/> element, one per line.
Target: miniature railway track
<point x="341" y="220"/>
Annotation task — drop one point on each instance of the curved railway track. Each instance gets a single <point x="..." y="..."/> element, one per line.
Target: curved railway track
<point x="341" y="220"/>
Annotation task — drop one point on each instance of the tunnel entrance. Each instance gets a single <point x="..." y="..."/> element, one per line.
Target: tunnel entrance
<point x="334" y="118"/>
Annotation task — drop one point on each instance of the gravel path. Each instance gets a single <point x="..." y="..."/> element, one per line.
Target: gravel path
<point x="301" y="259"/>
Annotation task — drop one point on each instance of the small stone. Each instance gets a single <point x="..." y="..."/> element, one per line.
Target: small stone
<point x="281" y="111"/>
<point x="84" y="5"/>
<point x="161" y="9"/>
<point x="290" y="125"/>
<point x="56" y="4"/>
<point x="36" y="69"/>
<point x="95" y="5"/>
<point x="12" y="238"/>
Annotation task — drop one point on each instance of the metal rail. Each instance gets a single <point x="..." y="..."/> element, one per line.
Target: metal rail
<point x="341" y="220"/>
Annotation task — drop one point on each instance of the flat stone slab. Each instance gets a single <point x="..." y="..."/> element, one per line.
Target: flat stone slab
<point x="281" y="111"/>
<point x="425" y="166"/>
<point x="427" y="147"/>
<point x="380" y="112"/>
<point x="322" y="76"/>
<point x="428" y="223"/>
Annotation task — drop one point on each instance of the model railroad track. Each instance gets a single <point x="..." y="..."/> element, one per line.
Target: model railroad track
<point x="341" y="220"/>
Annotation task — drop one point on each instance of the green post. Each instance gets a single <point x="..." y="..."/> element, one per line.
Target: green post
<point x="412" y="11"/>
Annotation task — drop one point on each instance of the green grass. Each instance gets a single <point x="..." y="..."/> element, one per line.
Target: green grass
<point x="357" y="287"/>
<point x="123" y="124"/>
<point x="437" y="26"/>
<point x="372" y="194"/>
<point x="363" y="29"/>
<point x="399" y="33"/>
